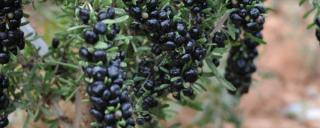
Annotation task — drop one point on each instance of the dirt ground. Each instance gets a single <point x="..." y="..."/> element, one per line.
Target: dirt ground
<point x="288" y="71"/>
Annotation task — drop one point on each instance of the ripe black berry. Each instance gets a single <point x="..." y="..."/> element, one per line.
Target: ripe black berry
<point x="4" y="58"/>
<point x="55" y="42"/>
<point x="91" y="37"/>
<point x="84" y="15"/>
<point x="191" y="75"/>
<point x="99" y="55"/>
<point x="100" y="28"/>
<point x="85" y="54"/>
<point x="108" y="14"/>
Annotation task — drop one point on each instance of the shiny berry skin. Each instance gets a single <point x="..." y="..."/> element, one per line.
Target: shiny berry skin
<point x="199" y="53"/>
<point x="136" y="12"/>
<point x="85" y="54"/>
<point x="108" y="14"/>
<point x="113" y="72"/>
<point x="195" y="33"/>
<point x="165" y="25"/>
<point x="252" y="27"/>
<point x="99" y="73"/>
<point x="169" y="45"/>
<point x="186" y="58"/>
<point x="130" y="122"/>
<point x="106" y="94"/>
<point x="97" y="114"/>
<point x="149" y="85"/>
<point x="110" y="118"/>
<point x="190" y="75"/>
<point x="196" y="9"/>
<point x="14" y="24"/>
<point x="100" y="28"/>
<point x="153" y="24"/>
<point x="181" y="28"/>
<point x="97" y="88"/>
<point x="55" y="42"/>
<point x="4" y="58"/>
<point x="219" y="39"/>
<point x="91" y="37"/>
<point x="254" y="13"/>
<point x="236" y="18"/>
<point x="188" y="2"/>
<point x="190" y="45"/>
<point x="243" y="12"/>
<point x="152" y="5"/>
<point x="99" y="55"/>
<point x="174" y="71"/>
<point x="84" y="15"/>
<point x="115" y="90"/>
<point x="97" y="101"/>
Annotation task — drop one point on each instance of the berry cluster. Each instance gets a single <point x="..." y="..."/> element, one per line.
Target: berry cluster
<point x="248" y="16"/>
<point x="241" y="65"/>
<point x="99" y="28"/>
<point x="196" y="7"/>
<point x="11" y="41"/>
<point x="4" y="100"/>
<point x="111" y="102"/>
<point x="112" y="106"/>
<point x="176" y="45"/>
<point x="317" y="22"/>
<point x="11" y="37"/>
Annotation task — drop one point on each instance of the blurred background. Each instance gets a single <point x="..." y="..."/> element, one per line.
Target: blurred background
<point x="286" y="91"/>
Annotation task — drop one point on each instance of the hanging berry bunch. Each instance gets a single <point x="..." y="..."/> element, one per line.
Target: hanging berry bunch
<point x="111" y="104"/>
<point x="178" y="47"/>
<point x="247" y="17"/>
<point x="241" y="65"/>
<point x="200" y="12"/>
<point x="11" y="41"/>
<point x="4" y="83"/>
<point x="197" y="7"/>
<point x="11" y="37"/>
<point x="174" y="44"/>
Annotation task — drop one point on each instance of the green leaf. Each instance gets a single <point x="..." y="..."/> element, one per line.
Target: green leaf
<point x="117" y="20"/>
<point x="308" y="13"/>
<point x="101" y="45"/>
<point x="78" y="27"/>
<point x="191" y="103"/>
<point x="220" y="77"/>
<point x="302" y="2"/>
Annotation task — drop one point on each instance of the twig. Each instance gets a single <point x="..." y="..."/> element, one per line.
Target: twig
<point x="77" y="118"/>
<point x="220" y="24"/>
<point x="60" y="115"/>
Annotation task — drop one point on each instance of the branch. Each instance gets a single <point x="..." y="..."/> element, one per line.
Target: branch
<point x="60" y="115"/>
<point x="220" y="24"/>
<point x="77" y="118"/>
